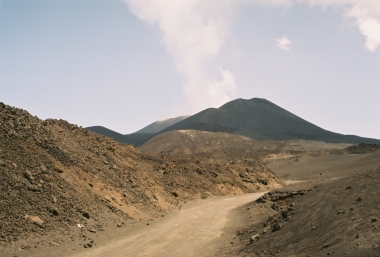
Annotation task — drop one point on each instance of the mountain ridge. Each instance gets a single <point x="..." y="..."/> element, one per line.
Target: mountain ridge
<point x="159" y="125"/>
<point x="260" y="119"/>
<point x="134" y="139"/>
<point x="255" y="119"/>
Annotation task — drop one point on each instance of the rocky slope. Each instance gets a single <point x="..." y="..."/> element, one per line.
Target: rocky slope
<point x="55" y="175"/>
<point x="332" y="210"/>
<point x="336" y="219"/>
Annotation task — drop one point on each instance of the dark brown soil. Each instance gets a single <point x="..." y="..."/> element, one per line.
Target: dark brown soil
<point x="62" y="185"/>
<point x="55" y="175"/>
<point x="324" y="217"/>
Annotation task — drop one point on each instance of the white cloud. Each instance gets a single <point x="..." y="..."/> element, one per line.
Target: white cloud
<point x="275" y="3"/>
<point x="366" y="14"/>
<point x="193" y="32"/>
<point x="283" y="43"/>
<point x="368" y="25"/>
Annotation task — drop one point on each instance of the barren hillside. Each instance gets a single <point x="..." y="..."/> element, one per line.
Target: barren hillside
<point x="255" y="119"/>
<point x="183" y="142"/>
<point x="331" y="211"/>
<point x="55" y="175"/>
<point x="260" y="119"/>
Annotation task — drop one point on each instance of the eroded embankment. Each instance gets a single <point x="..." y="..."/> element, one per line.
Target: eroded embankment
<point x="55" y="175"/>
<point x="318" y="217"/>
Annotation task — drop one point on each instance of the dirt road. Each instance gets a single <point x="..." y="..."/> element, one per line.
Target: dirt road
<point x="186" y="233"/>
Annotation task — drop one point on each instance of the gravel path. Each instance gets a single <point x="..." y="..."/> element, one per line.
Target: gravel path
<point x="186" y="233"/>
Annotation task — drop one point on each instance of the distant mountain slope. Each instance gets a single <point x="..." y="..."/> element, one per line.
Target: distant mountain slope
<point x="139" y="137"/>
<point x="182" y="142"/>
<point x="107" y="132"/>
<point x="159" y="125"/>
<point x="133" y="139"/>
<point x="193" y="141"/>
<point x="256" y="119"/>
<point x="260" y="119"/>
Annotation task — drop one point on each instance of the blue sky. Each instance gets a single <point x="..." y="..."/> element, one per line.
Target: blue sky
<point x="125" y="64"/>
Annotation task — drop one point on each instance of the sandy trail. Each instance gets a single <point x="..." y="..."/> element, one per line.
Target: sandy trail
<point x="186" y="233"/>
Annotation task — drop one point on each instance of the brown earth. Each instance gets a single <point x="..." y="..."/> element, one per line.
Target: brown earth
<point x="324" y="217"/>
<point x="55" y="176"/>
<point x="64" y="190"/>
<point x="182" y="142"/>
<point x="331" y="211"/>
<point x="186" y="142"/>
<point x="193" y="231"/>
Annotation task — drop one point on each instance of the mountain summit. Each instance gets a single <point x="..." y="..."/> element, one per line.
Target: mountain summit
<point x="260" y="119"/>
<point x="256" y="119"/>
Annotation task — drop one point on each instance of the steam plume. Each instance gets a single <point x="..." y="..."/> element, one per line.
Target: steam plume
<point x="193" y="32"/>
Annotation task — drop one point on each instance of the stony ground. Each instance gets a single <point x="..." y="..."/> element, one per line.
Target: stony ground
<point x="334" y="216"/>
<point x="61" y="185"/>
<point x="56" y="177"/>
